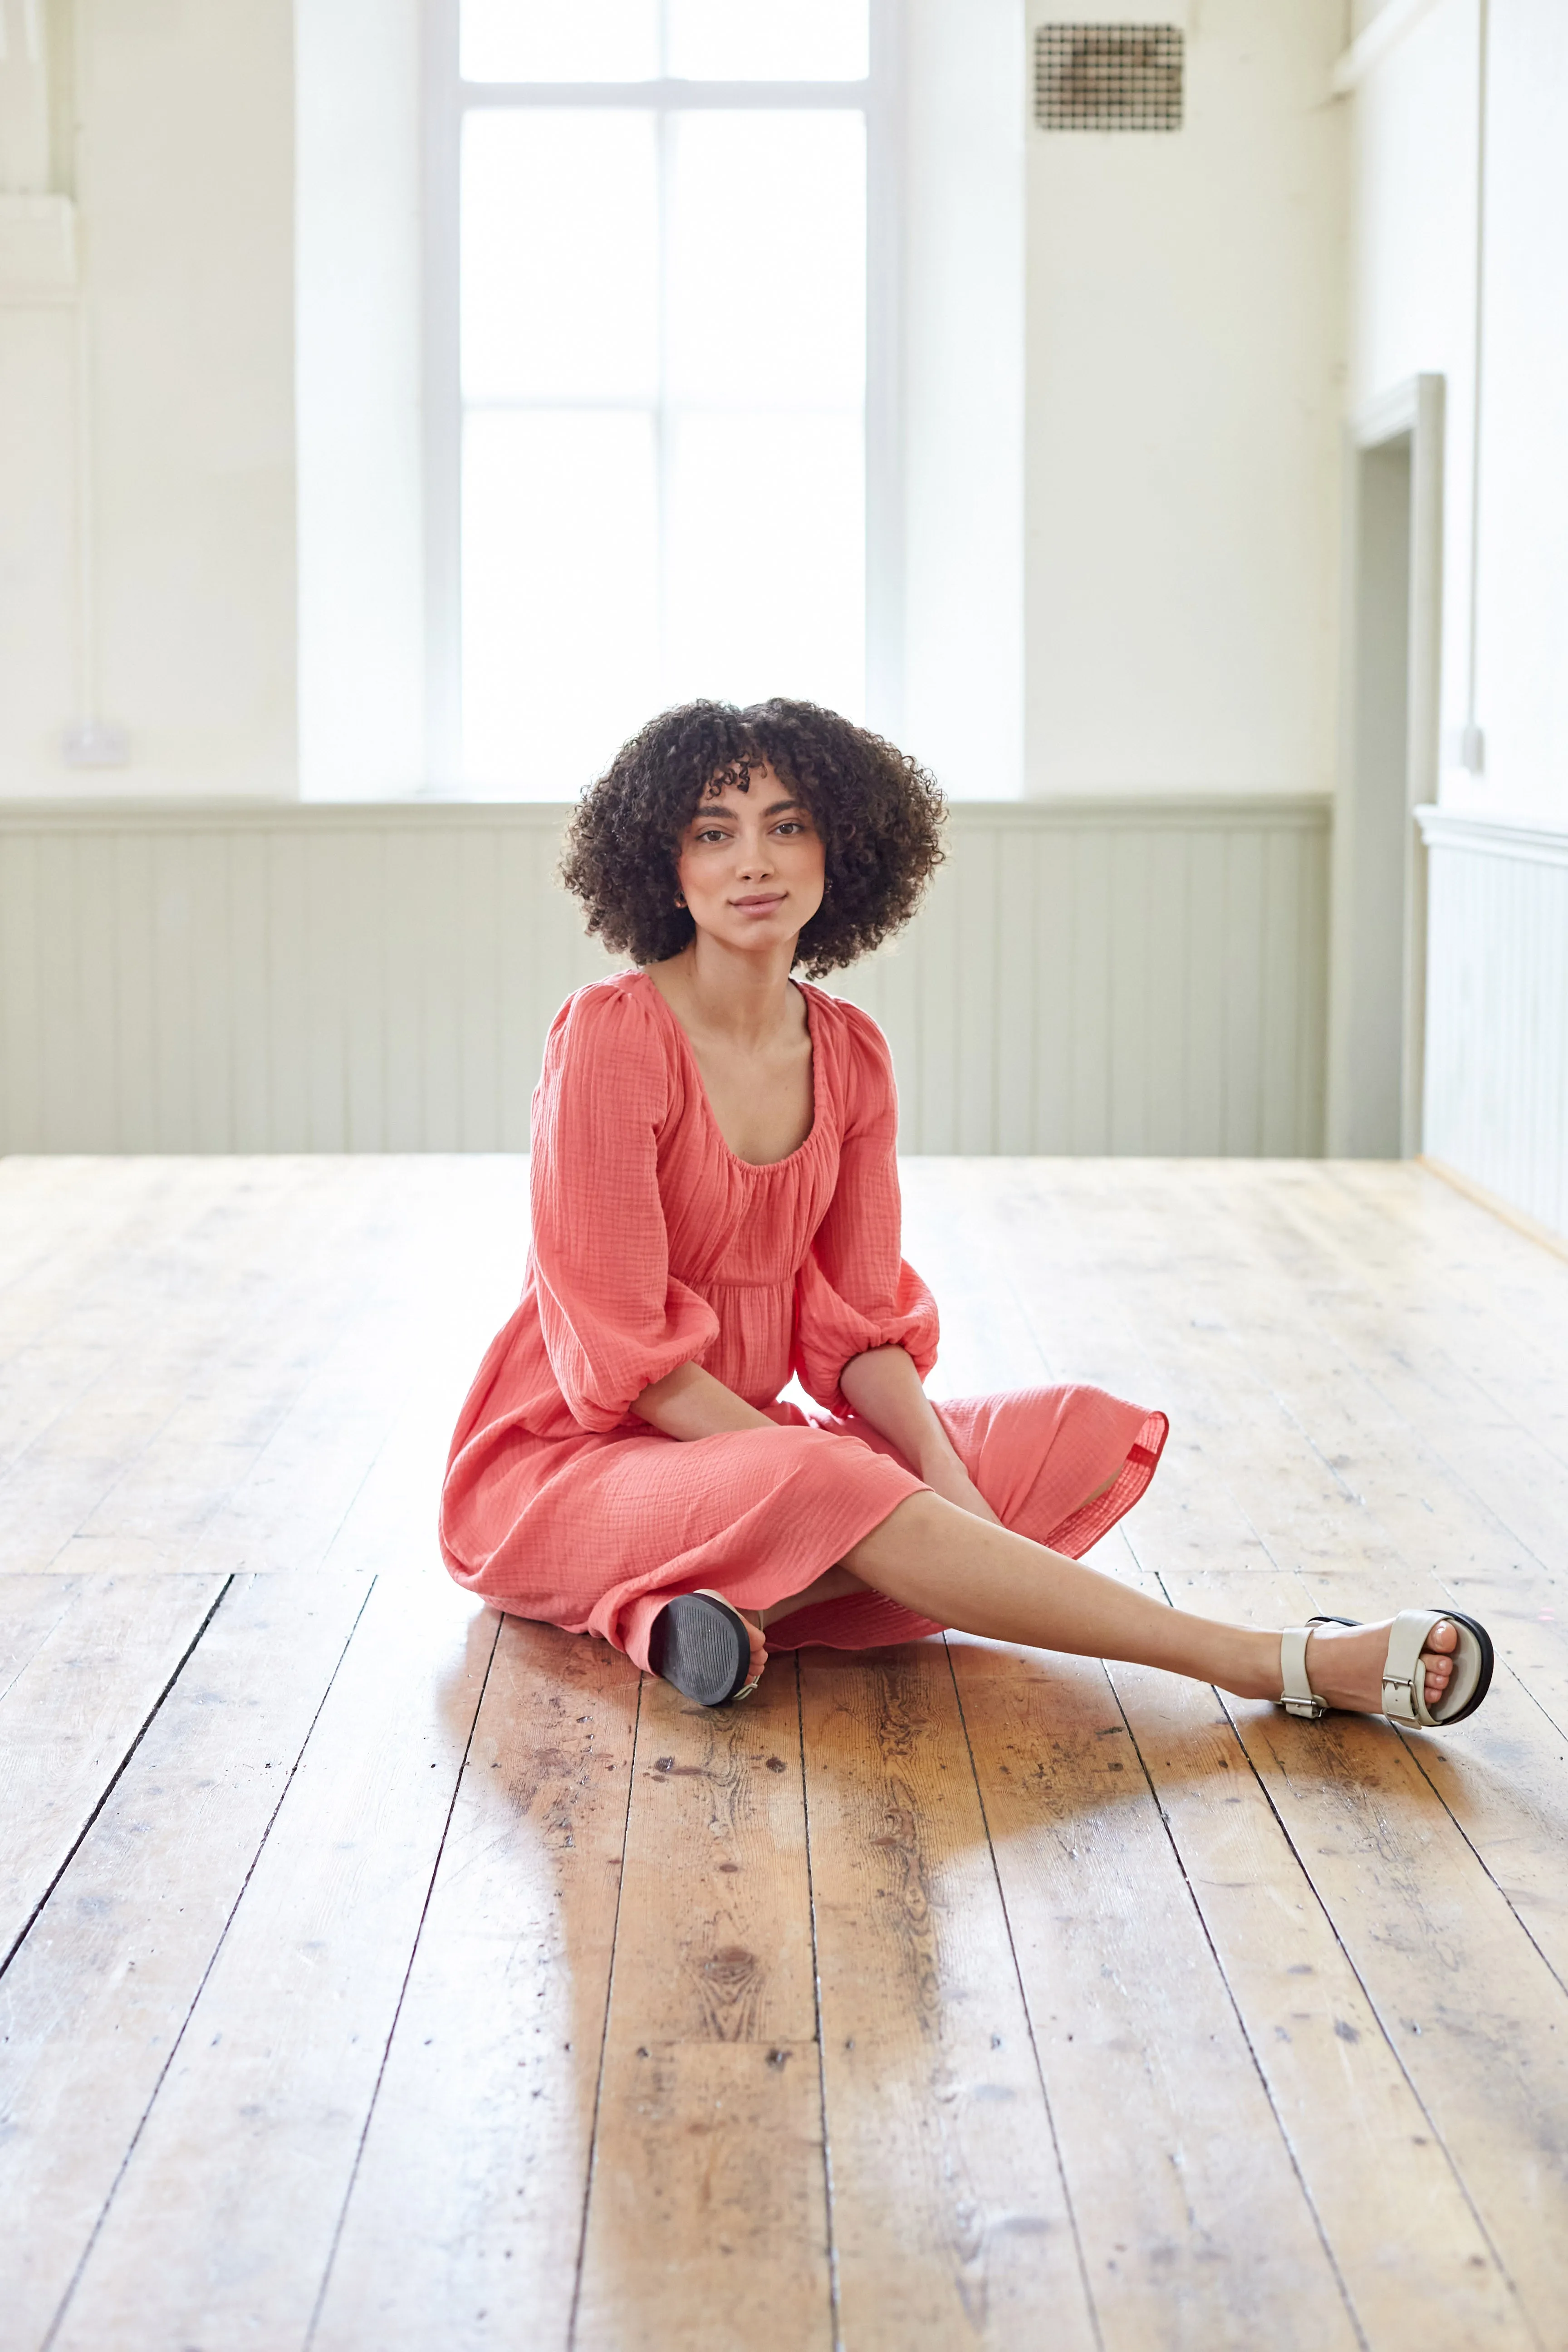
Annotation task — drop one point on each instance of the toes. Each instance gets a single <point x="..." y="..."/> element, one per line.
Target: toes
<point x="1440" y="1673"/>
<point x="1444" y="1637"/>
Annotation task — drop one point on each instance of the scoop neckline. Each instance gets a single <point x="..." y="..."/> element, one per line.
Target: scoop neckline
<point x="752" y="1167"/>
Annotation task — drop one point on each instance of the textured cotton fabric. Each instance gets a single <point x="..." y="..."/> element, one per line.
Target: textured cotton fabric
<point x="654" y="1246"/>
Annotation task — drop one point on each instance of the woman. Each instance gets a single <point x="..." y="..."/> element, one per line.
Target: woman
<point x="716" y="1206"/>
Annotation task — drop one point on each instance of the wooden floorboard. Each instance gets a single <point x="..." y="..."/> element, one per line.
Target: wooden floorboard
<point x="462" y="2225"/>
<point x="381" y="1980"/>
<point x="951" y="2221"/>
<point x="97" y="2002"/>
<point x="709" y="2190"/>
<point x="73" y="1714"/>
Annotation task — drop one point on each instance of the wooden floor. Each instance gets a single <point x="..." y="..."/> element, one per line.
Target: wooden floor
<point x="381" y="1974"/>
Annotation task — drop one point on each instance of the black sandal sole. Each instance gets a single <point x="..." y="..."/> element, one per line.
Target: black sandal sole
<point x="702" y="1646"/>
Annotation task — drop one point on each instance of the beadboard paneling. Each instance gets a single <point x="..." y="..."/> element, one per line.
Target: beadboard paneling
<point x="1095" y="976"/>
<point x="1497" y="1008"/>
<point x="1126" y="976"/>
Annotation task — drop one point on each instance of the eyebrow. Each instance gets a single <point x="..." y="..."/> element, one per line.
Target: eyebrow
<point x="774" y="808"/>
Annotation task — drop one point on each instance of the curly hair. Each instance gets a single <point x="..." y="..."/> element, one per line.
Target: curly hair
<point x="880" y="815"/>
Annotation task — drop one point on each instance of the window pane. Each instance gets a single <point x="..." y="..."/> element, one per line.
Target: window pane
<point x="560" y="254"/>
<point x="768" y="41"/>
<point x="765" y="558"/>
<point x="559" y="41"/>
<point x="767" y="258"/>
<point x="560" y="596"/>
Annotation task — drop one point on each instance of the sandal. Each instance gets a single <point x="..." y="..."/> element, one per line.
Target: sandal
<point x="1403" y="1686"/>
<point x="703" y="1646"/>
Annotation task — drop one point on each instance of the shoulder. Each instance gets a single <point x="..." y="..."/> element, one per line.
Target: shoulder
<point x="617" y="1011"/>
<point x="856" y="1042"/>
<point x="613" y="1023"/>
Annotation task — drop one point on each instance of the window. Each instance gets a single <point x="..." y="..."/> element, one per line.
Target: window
<point x="648" y="394"/>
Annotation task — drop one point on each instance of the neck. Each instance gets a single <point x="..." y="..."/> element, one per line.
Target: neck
<point x="742" y="994"/>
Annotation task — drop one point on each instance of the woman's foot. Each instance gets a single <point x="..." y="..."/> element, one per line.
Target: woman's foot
<point x="1344" y="1664"/>
<point x="702" y="1644"/>
<point x="752" y="1621"/>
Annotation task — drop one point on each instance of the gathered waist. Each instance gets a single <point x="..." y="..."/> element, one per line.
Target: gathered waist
<point x="777" y="1286"/>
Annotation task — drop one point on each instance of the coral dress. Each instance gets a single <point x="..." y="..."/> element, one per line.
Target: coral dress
<point x="653" y="1247"/>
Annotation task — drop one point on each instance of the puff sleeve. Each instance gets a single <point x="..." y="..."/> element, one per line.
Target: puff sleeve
<point x="614" y="1319"/>
<point x="855" y="1291"/>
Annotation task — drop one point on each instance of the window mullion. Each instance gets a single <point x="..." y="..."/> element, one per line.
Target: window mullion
<point x="727" y="97"/>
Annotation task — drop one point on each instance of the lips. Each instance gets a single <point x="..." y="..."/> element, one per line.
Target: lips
<point x="758" y="905"/>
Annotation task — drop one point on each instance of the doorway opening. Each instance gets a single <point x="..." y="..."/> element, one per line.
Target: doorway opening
<point x="1388" y="766"/>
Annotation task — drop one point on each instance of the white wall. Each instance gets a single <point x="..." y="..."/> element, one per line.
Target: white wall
<point x="153" y="400"/>
<point x="1171" y="323"/>
<point x="1413" y="278"/>
<point x="1419" y="195"/>
<point x="1521" y="686"/>
<point x="1461" y="192"/>
<point x="1185" y="342"/>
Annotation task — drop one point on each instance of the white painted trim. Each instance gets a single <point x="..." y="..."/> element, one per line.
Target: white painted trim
<point x="665" y="91"/>
<point x="1523" y="838"/>
<point x="885" y="487"/>
<point x="1494" y="1203"/>
<point x="443" y="418"/>
<point x="1091" y="813"/>
<point x="1379" y="40"/>
<point x="447" y="99"/>
<point x="1415" y="408"/>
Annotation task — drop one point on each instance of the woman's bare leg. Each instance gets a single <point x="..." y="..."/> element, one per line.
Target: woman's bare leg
<point x="945" y="1564"/>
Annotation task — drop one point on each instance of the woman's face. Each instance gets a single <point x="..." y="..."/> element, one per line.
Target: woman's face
<point x="751" y="868"/>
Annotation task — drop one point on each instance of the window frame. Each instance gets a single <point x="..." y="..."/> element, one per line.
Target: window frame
<point x="448" y="99"/>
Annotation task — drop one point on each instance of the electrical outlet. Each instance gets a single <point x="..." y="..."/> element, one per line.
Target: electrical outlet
<point x="94" y="744"/>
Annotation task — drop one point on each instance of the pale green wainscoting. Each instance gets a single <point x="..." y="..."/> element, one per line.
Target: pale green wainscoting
<point x="1496" y="1103"/>
<point x="1107" y="975"/>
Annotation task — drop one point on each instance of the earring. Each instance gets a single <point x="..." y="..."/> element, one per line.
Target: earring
<point x="679" y="899"/>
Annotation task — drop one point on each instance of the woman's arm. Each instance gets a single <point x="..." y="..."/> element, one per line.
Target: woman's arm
<point x="885" y="1389"/>
<point x="689" y="1403"/>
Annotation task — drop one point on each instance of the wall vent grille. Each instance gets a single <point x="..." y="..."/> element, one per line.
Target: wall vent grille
<point x="1107" y="77"/>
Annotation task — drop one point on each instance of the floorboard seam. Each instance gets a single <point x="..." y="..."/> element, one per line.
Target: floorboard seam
<point x="1438" y="2139"/>
<point x="177" y="2040"/>
<point x="1414" y="1754"/>
<point x="604" y="2028"/>
<point x="402" y="1996"/>
<point x="113" y="1782"/>
<point x="1023" y="2004"/>
<point x="1308" y="2200"/>
<point x="836" y="2308"/>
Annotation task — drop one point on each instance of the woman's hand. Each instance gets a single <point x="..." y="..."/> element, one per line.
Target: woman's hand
<point x="885" y="1389"/>
<point x="946" y="1476"/>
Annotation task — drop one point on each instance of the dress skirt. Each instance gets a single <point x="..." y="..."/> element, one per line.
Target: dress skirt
<point x="653" y="1247"/>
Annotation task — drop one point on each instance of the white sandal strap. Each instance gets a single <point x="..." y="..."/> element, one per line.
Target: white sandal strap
<point x="1403" y="1683"/>
<point x="1297" y="1696"/>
